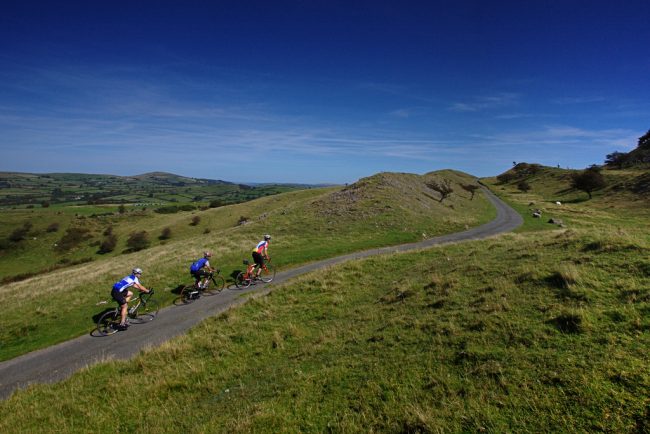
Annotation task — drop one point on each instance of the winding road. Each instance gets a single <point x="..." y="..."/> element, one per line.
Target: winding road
<point x="60" y="361"/>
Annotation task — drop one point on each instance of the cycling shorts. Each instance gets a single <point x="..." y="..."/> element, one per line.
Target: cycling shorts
<point x="120" y="297"/>
<point x="200" y="273"/>
<point x="258" y="258"/>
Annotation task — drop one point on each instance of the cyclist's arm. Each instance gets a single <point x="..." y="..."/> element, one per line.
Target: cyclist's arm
<point x="140" y="287"/>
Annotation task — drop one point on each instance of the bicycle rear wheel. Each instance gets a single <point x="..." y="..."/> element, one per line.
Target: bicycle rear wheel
<point x="241" y="281"/>
<point x="145" y="312"/>
<point x="107" y="324"/>
<point x="268" y="274"/>
<point x="189" y="294"/>
<point x="215" y="285"/>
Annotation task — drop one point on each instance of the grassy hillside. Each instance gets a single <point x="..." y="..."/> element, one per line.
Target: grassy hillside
<point x="624" y="186"/>
<point x="539" y="331"/>
<point x="77" y="222"/>
<point x="307" y="225"/>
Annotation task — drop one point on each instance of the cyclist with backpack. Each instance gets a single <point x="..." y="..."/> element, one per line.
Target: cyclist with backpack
<point x="122" y="295"/>
<point x="201" y="269"/>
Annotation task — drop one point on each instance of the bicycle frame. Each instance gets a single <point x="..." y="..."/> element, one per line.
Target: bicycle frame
<point x="250" y="269"/>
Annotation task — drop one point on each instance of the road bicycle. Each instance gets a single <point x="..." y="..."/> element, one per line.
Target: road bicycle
<point x="215" y="284"/>
<point x="141" y="309"/>
<point x="247" y="278"/>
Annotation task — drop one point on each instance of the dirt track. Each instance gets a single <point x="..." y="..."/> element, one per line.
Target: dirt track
<point x="60" y="361"/>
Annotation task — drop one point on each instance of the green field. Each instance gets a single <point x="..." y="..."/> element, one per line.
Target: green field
<point x="59" y="220"/>
<point x="154" y="189"/>
<point x="543" y="330"/>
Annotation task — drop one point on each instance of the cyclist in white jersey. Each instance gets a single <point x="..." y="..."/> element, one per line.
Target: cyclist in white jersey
<point x="122" y="295"/>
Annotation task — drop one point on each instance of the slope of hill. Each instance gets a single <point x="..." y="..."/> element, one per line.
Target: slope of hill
<point x="626" y="186"/>
<point x="302" y="228"/>
<point x="530" y="332"/>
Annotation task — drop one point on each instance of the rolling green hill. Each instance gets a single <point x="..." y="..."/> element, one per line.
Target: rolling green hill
<point x="538" y="331"/>
<point x="149" y="189"/>
<point x="306" y="225"/>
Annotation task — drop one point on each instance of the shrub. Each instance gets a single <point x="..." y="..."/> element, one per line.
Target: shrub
<point x="165" y="234"/>
<point x="72" y="238"/>
<point x="108" y="245"/>
<point x="54" y="227"/>
<point x="505" y="178"/>
<point x="138" y="241"/>
<point x="167" y="210"/>
<point x="195" y="220"/>
<point x="215" y="203"/>
<point x="523" y="186"/>
<point x="172" y="209"/>
<point x="18" y="235"/>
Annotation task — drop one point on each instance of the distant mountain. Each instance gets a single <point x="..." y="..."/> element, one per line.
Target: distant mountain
<point x="164" y="177"/>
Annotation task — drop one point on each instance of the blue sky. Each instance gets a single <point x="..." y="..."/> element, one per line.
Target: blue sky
<point x="319" y="91"/>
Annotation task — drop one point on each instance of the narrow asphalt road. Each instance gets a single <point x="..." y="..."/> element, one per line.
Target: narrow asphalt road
<point x="60" y="361"/>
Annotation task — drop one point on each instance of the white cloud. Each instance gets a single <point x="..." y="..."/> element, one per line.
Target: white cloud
<point x="489" y="102"/>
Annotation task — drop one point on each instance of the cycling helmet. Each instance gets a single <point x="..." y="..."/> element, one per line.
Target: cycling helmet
<point x="137" y="271"/>
<point x="207" y="254"/>
<point x="267" y="237"/>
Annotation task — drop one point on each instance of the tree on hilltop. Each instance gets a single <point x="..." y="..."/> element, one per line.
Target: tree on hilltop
<point x="470" y="188"/>
<point x="615" y="159"/>
<point x="444" y="188"/>
<point x="644" y="141"/>
<point x="588" y="180"/>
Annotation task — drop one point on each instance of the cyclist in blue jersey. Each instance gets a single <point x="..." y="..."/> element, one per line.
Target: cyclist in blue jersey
<point x="201" y="270"/>
<point x="261" y="253"/>
<point x="122" y="295"/>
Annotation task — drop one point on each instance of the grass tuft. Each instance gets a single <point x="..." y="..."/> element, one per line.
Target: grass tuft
<point x="570" y="323"/>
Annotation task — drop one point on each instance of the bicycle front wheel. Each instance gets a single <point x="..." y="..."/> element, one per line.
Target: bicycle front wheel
<point x="215" y="285"/>
<point x="241" y="281"/>
<point x="268" y="273"/>
<point x="107" y="324"/>
<point x="145" y="312"/>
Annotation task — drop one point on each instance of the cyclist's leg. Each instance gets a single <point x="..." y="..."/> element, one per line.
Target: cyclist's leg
<point x="259" y="263"/>
<point x="202" y="278"/>
<point x="123" y="303"/>
<point x="125" y="307"/>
